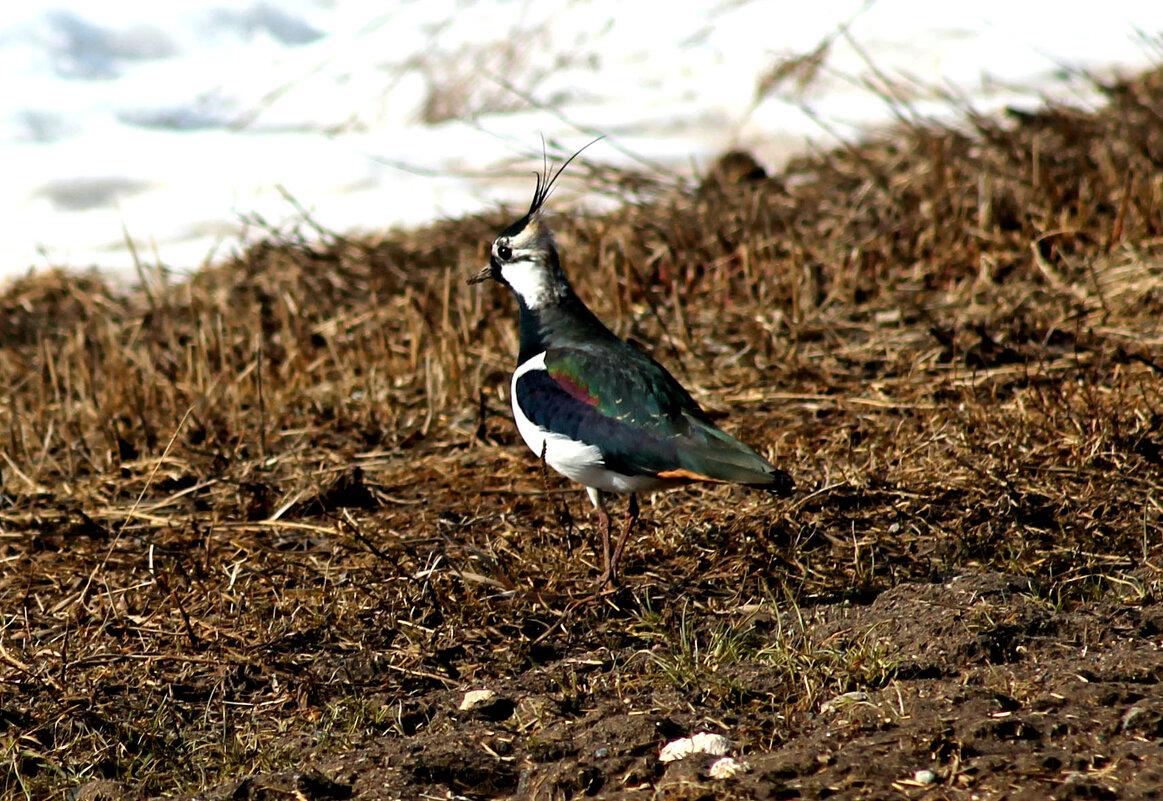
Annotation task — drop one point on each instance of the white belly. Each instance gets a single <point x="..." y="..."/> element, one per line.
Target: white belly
<point x="575" y="460"/>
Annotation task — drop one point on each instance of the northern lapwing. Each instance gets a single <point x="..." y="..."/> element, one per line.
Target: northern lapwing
<point x="596" y="408"/>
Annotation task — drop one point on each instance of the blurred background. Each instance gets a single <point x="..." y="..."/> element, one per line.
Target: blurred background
<point x="137" y="130"/>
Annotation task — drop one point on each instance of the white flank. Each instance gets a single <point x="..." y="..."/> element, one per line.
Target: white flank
<point x="575" y="460"/>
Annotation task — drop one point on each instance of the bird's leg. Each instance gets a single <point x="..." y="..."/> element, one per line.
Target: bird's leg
<point x="631" y="519"/>
<point x="563" y="515"/>
<point x="603" y="518"/>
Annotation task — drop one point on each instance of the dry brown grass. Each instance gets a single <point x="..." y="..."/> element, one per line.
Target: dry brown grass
<point x="267" y="513"/>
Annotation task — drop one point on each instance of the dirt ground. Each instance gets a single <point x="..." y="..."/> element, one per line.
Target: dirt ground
<point x="263" y="530"/>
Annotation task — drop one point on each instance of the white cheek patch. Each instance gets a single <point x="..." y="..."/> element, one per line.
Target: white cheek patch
<point x="529" y="280"/>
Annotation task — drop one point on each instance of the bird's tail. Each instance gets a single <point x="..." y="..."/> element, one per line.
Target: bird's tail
<point x="720" y="457"/>
<point x="779" y="482"/>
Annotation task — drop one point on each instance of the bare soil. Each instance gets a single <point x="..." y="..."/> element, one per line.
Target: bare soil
<point x="261" y="531"/>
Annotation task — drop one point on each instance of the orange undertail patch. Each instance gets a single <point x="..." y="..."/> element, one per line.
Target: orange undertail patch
<point x="686" y="475"/>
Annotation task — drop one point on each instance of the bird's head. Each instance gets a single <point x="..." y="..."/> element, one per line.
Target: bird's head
<point x="524" y="257"/>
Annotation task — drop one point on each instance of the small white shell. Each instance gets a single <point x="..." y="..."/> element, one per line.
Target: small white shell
<point x="701" y="743"/>
<point x="925" y="777"/>
<point x="475" y="698"/>
<point x="727" y="768"/>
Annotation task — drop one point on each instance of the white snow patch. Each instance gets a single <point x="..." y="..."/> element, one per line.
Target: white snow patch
<point x="167" y="121"/>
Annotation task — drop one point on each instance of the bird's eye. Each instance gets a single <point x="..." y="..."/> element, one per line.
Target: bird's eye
<point x="504" y="252"/>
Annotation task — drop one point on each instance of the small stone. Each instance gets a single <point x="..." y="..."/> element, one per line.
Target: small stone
<point x="477" y="698"/>
<point x="735" y="168"/>
<point x="105" y="790"/>
<point x="702" y="742"/>
<point x="727" y="768"/>
<point x="602" y="753"/>
<point x="487" y="705"/>
<point x="925" y="777"/>
<point x="1136" y="717"/>
<point x="843" y="702"/>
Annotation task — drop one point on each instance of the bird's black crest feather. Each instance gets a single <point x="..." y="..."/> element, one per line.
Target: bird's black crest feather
<point x="544" y="182"/>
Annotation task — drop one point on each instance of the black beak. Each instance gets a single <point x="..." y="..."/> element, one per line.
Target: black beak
<point x="490" y="271"/>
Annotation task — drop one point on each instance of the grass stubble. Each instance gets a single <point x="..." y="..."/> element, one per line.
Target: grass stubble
<point x="277" y="512"/>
